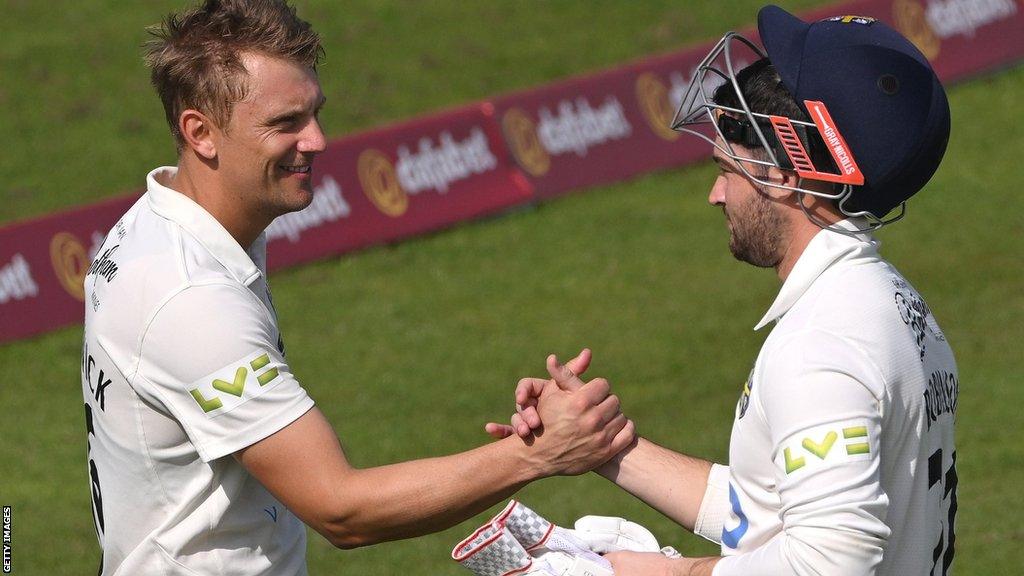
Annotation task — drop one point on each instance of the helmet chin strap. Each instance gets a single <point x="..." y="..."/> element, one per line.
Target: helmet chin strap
<point x="874" y="222"/>
<point x="814" y="219"/>
<point x="831" y="227"/>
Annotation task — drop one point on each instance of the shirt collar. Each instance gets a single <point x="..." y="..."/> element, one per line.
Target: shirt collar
<point x="245" y="266"/>
<point x="826" y="249"/>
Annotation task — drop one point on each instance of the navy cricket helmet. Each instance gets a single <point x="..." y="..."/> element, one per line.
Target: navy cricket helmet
<point x="872" y="97"/>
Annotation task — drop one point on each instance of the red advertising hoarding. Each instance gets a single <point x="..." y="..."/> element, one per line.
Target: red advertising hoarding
<point x="43" y="264"/>
<point x="613" y="125"/>
<point x="961" y="38"/>
<point x="406" y="179"/>
<point x="400" y="181"/>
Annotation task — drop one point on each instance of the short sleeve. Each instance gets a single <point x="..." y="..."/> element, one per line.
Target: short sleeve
<point x="822" y="399"/>
<point x="209" y="356"/>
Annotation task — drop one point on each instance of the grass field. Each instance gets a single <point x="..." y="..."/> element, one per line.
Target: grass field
<point x="410" y="349"/>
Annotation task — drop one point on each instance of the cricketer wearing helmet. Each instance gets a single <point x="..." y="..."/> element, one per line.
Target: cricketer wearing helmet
<point x="841" y="458"/>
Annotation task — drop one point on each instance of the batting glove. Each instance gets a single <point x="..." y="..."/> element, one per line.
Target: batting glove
<point x="520" y="541"/>
<point x="492" y="551"/>
<point x="605" y="534"/>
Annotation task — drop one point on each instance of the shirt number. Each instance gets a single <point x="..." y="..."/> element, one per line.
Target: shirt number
<point x="947" y="486"/>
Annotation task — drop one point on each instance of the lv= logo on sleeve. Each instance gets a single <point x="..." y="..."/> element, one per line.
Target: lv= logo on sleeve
<point x="232" y="386"/>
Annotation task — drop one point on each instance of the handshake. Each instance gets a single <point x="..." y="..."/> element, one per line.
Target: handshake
<point x="519" y="542"/>
<point x="569" y="425"/>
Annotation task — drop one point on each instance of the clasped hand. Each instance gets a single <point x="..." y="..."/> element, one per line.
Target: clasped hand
<point x="576" y="425"/>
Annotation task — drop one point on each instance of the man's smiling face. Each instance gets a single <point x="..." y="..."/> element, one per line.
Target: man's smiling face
<point x="266" y="152"/>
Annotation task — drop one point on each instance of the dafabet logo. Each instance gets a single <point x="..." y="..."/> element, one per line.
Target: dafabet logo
<point x="521" y="134"/>
<point x="16" y="282"/>
<point x="70" y="263"/>
<point x="655" y="102"/>
<point x="380" y="183"/>
<point x="429" y="166"/>
<point x="928" y="23"/>
<point x="909" y="16"/>
<point x="571" y="126"/>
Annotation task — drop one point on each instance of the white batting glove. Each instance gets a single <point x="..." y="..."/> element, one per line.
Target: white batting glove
<point x="605" y="534"/>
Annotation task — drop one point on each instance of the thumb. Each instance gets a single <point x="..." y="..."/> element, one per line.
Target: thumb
<point x="499" y="431"/>
<point x="564" y="377"/>
<point x="612" y="534"/>
<point x="581" y="362"/>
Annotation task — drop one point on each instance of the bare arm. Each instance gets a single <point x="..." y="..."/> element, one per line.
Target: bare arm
<point x="304" y="466"/>
<point x="655" y="564"/>
<point x="668" y="481"/>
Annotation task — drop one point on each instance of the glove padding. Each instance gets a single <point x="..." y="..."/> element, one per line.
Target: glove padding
<point x="518" y="541"/>
<point x="563" y="554"/>
<point x="604" y="534"/>
<point x="492" y="551"/>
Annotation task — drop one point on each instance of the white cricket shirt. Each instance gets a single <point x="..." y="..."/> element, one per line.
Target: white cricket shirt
<point x="183" y="365"/>
<point x="841" y="457"/>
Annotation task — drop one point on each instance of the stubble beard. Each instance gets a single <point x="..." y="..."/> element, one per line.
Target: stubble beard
<point x="756" y="233"/>
<point x="287" y="198"/>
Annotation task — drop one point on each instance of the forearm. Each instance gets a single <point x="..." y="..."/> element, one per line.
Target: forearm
<point x="304" y="466"/>
<point x="695" y="566"/>
<point x="656" y="564"/>
<point x="422" y="496"/>
<point x="668" y="481"/>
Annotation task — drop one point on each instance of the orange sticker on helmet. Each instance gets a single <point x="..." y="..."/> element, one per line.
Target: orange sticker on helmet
<point x="849" y="173"/>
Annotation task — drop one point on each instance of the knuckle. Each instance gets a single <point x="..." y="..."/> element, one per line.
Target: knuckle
<point x="614" y="402"/>
<point x="614" y="426"/>
<point x="580" y="404"/>
<point x="531" y="417"/>
<point x="525" y="385"/>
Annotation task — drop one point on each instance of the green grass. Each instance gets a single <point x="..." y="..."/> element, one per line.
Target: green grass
<point x="410" y="349"/>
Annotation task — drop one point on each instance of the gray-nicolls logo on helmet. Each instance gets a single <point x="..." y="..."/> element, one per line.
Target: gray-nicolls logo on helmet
<point x="847" y="101"/>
